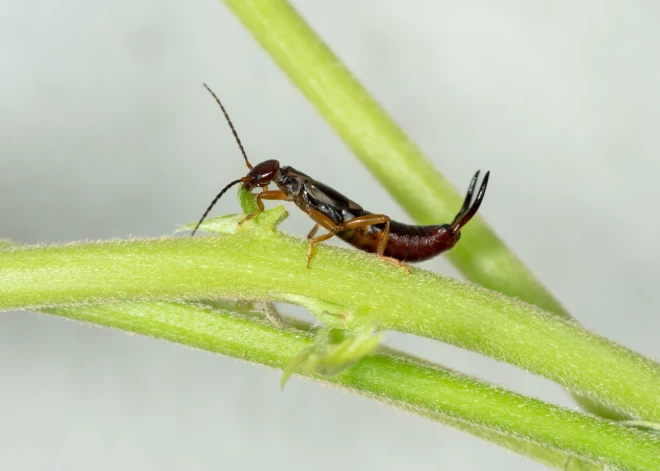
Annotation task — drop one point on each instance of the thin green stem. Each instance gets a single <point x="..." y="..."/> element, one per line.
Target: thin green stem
<point x="344" y="288"/>
<point x="539" y="430"/>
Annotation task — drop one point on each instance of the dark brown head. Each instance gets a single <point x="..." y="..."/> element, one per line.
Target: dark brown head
<point x="261" y="175"/>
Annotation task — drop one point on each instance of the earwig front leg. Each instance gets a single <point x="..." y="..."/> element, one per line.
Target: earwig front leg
<point x="265" y="195"/>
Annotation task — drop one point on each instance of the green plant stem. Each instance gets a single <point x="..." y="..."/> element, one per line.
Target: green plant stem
<point x="344" y="288"/>
<point x="5" y="244"/>
<point x="484" y="410"/>
<point x="390" y="155"/>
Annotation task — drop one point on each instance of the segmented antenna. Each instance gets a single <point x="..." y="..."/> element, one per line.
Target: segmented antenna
<point x="231" y="125"/>
<point x="215" y="200"/>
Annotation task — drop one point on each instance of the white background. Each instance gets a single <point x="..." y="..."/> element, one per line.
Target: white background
<point x="106" y="131"/>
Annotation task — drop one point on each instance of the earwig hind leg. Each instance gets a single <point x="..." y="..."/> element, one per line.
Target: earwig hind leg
<point x="313" y="232"/>
<point x="264" y="195"/>
<point x="395" y="262"/>
<point x="383" y="244"/>
<point x="370" y="220"/>
<point x="355" y="223"/>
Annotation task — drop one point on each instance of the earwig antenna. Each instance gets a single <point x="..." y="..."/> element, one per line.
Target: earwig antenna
<point x="468" y="197"/>
<point x="215" y="200"/>
<point x="465" y="217"/>
<point x="238" y="140"/>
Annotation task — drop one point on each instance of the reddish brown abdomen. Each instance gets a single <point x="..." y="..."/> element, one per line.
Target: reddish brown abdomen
<point x="407" y="243"/>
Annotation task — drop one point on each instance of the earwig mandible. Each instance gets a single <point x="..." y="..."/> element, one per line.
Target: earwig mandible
<point x="391" y="241"/>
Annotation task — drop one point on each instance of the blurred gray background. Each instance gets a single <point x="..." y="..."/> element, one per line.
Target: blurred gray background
<point x="106" y="131"/>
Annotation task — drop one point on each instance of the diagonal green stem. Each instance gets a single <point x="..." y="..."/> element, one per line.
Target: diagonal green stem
<point x="389" y="154"/>
<point x="529" y="426"/>
<point x="344" y="288"/>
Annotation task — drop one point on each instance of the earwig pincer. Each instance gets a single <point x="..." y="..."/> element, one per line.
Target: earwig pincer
<point x="391" y="241"/>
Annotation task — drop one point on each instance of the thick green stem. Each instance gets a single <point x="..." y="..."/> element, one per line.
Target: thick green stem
<point x="344" y="288"/>
<point x="539" y="430"/>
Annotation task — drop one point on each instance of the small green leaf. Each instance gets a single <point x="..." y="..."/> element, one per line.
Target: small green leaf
<point x="331" y="314"/>
<point x="333" y="352"/>
<point x="219" y="225"/>
<point x="266" y="221"/>
<point x="247" y="201"/>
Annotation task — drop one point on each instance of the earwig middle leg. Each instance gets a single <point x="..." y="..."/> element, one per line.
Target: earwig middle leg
<point x="370" y="220"/>
<point x="264" y="195"/>
<point x="328" y="224"/>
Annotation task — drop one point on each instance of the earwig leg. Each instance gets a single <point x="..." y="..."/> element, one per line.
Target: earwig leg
<point x="383" y="245"/>
<point x="313" y="232"/>
<point x="315" y="241"/>
<point x="264" y="195"/>
<point x="322" y="220"/>
<point x="365" y="221"/>
<point x="327" y="223"/>
<point x="355" y="223"/>
<point x="370" y="220"/>
<point x="396" y="262"/>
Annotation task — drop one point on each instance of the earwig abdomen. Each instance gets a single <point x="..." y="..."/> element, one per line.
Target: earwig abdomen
<point x="408" y="243"/>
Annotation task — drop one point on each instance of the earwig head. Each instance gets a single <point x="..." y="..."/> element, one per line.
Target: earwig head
<point x="467" y="212"/>
<point x="261" y="175"/>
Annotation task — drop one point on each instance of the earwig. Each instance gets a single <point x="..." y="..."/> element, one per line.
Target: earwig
<point x="391" y="241"/>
